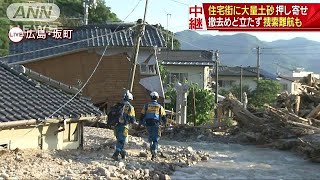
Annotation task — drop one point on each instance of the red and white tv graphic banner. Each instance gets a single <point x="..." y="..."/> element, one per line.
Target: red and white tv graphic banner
<point x="255" y="16"/>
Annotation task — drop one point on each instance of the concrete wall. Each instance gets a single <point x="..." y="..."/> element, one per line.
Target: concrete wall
<point x="42" y="137"/>
<point x="196" y="74"/>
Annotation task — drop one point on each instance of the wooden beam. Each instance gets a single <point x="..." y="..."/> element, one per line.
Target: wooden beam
<point x="315" y="120"/>
<point x="304" y="125"/>
<point x="30" y="122"/>
<point x="314" y="112"/>
<point x="288" y="114"/>
<point x="297" y="104"/>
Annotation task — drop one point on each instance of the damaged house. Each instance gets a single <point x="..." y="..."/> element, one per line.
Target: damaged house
<point x="32" y="111"/>
<point x="72" y="61"/>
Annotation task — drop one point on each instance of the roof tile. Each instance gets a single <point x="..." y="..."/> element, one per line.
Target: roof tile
<point x="22" y="98"/>
<point x="97" y="34"/>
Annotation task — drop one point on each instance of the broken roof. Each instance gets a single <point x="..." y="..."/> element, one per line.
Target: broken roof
<point x="185" y="57"/>
<point x="23" y="98"/>
<point x="83" y="37"/>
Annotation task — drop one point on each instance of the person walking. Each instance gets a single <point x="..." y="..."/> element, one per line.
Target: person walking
<point x="152" y="115"/>
<point x="126" y="117"/>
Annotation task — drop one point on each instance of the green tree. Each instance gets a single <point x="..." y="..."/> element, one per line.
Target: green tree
<point x="235" y="90"/>
<point x="4" y="41"/>
<point x="72" y="13"/>
<point x="102" y="13"/>
<point x="204" y="103"/>
<point x="265" y="93"/>
<point x="164" y="74"/>
<point x="168" y="34"/>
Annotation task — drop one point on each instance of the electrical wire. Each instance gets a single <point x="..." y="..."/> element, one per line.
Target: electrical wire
<point x="74" y="96"/>
<point x="179" y="2"/>
<point x="94" y="70"/>
<point x="135" y="7"/>
<point x="62" y="45"/>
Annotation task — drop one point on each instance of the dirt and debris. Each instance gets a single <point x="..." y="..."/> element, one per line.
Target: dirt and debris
<point x="94" y="162"/>
<point x="292" y="123"/>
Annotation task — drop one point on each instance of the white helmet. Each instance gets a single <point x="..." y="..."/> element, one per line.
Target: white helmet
<point x="154" y="95"/>
<point x="127" y="95"/>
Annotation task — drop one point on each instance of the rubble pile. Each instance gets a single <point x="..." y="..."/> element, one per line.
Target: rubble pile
<point x="95" y="162"/>
<point x="293" y="123"/>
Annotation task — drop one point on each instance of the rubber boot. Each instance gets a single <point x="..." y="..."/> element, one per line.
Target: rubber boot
<point x="123" y="154"/>
<point x="115" y="156"/>
<point x="154" y="156"/>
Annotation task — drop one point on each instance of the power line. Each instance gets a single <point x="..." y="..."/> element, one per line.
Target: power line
<point x="134" y="8"/>
<point x="293" y="47"/>
<point x="110" y="34"/>
<point x="61" y="45"/>
<point x="179" y="2"/>
<point x="91" y="75"/>
<point x="198" y="47"/>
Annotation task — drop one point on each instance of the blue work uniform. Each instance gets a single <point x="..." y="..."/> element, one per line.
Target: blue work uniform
<point x="151" y="116"/>
<point x="122" y="128"/>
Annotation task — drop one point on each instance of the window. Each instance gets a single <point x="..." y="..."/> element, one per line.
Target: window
<point x="143" y="68"/>
<point x="181" y="77"/>
<point x="226" y="83"/>
<point x="284" y="87"/>
<point x="148" y="68"/>
<point x="70" y="132"/>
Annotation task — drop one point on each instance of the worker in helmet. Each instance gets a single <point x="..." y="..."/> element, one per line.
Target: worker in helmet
<point x="152" y="115"/>
<point x="122" y="127"/>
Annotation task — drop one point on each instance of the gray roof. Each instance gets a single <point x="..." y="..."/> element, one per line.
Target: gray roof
<point x="23" y="98"/>
<point x="186" y="57"/>
<point x="293" y="79"/>
<point x="89" y="36"/>
<point x="246" y="72"/>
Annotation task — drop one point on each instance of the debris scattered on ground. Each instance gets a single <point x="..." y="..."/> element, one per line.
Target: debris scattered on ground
<point x="95" y="162"/>
<point x="280" y="126"/>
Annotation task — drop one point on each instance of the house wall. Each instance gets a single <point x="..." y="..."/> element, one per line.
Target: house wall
<point x="106" y="85"/>
<point x="249" y="81"/>
<point x="304" y="74"/>
<point x="292" y="87"/>
<point x="196" y="74"/>
<point x="42" y="137"/>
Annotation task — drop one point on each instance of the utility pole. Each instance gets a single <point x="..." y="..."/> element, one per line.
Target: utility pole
<point x="241" y="83"/>
<point x="86" y="4"/>
<point x="216" y="55"/>
<point x="172" y="41"/>
<point x="86" y="11"/>
<point x="258" y="63"/>
<point x="168" y="14"/>
<point x="258" y="68"/>
<point x="141" y="28"/>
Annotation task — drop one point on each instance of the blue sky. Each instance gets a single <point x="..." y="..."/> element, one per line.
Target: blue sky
<point x="158" y="10"/>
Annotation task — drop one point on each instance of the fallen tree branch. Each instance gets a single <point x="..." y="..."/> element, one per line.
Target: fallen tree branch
<point x="304" y="126"/>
